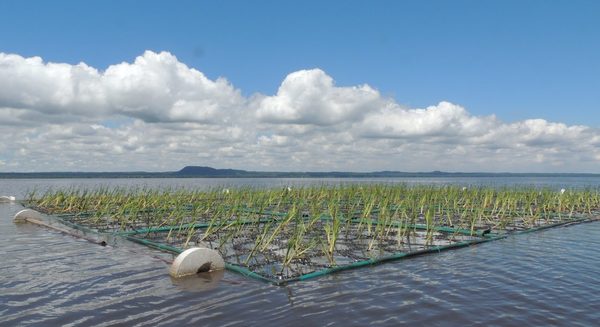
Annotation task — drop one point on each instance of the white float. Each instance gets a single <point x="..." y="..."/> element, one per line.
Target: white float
<point x="7" y="199"/>
<point x="25" y="214"/>
<point x="196" y="260"/>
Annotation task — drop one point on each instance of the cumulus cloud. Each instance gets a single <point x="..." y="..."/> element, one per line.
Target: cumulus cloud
<point x="156" y="87"/>
<point x="444" y="119"/>
<point x="311" y="97"/>
<point x="156" y="113"/>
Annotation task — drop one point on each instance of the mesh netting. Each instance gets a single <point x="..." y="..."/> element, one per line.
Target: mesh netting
<point x="282" y="237"/>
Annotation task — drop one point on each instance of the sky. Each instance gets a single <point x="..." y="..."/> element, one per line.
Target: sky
<point x="495" y="86"/>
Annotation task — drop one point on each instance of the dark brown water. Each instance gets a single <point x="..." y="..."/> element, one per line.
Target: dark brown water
<point x="545" y="278"/>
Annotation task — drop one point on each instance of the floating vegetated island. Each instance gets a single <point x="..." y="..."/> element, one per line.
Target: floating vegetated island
<point x="282" y="235"/>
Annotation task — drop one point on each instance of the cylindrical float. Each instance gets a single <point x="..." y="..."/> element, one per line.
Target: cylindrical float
<point x="23" y="215"/>
<point x="196" y="260"/>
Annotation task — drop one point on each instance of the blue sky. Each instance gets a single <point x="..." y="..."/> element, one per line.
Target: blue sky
<point x="516" y="60"/>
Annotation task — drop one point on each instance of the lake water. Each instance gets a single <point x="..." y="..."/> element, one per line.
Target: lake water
<point x="548" y="278"/>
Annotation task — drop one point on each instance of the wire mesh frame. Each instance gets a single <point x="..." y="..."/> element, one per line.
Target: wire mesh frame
<point x="323" y="267"/>
<point x="477" y="236"/>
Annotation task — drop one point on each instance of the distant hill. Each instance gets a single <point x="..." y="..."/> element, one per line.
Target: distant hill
<point x="200" y="171"/>
<point x="207" y="172"/>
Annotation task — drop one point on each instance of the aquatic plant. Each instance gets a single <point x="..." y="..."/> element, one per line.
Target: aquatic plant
<point x="296" y="226"/>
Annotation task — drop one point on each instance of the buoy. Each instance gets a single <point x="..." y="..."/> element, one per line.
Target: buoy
<point x="6" y="199"/>
<point x="196" y="260"/>
<point x="25" y="214"/>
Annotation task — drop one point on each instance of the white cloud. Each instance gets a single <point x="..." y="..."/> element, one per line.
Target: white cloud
<point x="156" y="87"/>
<point x="158" y="114"/>
<point x="445" y="119"/>
<point x="310" y="97"/>
<point x="51" y="88"/>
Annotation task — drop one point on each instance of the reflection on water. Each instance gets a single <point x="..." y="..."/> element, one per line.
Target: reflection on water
<point x="544" y="278"/>
<point x="201" y="282"/>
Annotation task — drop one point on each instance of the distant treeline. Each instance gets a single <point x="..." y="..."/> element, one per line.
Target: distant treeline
<point x="207" y="172"/>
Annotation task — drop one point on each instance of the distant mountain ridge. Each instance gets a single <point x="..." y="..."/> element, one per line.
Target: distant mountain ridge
<point x="208" y="172"/>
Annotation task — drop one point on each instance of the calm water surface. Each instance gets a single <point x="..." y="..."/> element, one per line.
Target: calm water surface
<point x="545" y="278"/>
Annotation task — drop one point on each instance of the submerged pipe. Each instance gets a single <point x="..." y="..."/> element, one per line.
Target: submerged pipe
<point x="34" y="217"/>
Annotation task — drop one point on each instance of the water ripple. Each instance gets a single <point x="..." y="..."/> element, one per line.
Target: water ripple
<point x="548" y="278"/>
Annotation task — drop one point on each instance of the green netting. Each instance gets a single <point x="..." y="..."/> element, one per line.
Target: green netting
<point x="354" y="248"/>
<point x="283" y="236"/>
